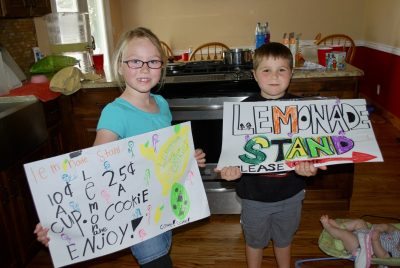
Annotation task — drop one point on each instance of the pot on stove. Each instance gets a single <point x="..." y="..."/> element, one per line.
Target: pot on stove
<point x="175" y="67"/>
<point x="237" y="56"/>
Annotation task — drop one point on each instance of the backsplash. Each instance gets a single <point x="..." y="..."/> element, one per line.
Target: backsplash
<point x="18" y="36"/>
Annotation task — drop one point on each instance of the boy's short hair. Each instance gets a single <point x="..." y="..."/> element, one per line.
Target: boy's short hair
<point x="273" y="49"/>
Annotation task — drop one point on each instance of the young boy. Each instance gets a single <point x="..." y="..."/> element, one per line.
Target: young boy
<point x="271" y="203"/>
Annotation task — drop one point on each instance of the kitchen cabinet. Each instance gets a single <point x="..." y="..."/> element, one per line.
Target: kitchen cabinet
<point x="24" y="8"/>
<point x="53" y="122"/>
<point x="18" y="216"/>
<point x="80" y="114"/>
<point x="334" y="87"/>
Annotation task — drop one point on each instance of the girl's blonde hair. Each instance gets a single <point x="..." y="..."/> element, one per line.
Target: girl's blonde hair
<point x="139" y="32"/>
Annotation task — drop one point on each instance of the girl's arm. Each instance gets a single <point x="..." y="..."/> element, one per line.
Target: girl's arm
<point x="385" y="227"/>
<point x="379" y="251"/>
<point x="41" y="234"/>
<point x="200" y="157"/>
<point x="104" y="136"/>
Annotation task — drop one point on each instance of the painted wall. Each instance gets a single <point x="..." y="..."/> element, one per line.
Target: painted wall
<point x="189" y="23"/>
<point x="380" y="55"/>
<point x="382" y="22"/>
<point x="374" y="25"/>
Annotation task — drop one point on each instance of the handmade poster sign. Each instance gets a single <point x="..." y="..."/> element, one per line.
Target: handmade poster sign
<point x="109" y="197"/>
<point x="272" y="136"/>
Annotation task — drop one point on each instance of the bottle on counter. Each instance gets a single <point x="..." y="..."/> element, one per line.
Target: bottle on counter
<point x="293" y="46"/>
<point x="259" y="35"/>
<point x="190" y="50"/>
<point x="267" y="34"/>
<point x="285" y="40"/>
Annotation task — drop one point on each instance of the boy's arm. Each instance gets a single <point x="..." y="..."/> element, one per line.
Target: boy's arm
<point x="307" y="169"/>
<point x="230" y="173"/>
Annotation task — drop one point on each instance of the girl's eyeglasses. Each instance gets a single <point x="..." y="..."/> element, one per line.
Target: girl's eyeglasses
<point x="137" y="64"/>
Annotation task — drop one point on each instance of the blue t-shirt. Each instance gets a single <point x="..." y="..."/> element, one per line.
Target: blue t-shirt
<point x="125" y="120"/>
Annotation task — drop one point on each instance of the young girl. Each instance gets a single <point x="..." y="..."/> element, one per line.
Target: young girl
<point x="138" y="66"/>
<point x="385" y="237"/>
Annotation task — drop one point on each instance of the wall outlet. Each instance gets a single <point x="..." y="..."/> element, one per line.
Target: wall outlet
<point x="378" y="89"/>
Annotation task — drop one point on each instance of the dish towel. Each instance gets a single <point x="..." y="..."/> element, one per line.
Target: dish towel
<point x="41" y="91"/>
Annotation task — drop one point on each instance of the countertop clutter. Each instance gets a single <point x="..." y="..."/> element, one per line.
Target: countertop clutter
<point x="299" y="73"/>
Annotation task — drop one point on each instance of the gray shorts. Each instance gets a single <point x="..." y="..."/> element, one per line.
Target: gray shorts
<point x="277" y="221"/>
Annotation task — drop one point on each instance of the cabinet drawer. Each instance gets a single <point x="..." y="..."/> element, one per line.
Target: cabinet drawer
<point x="90" y="102"/>
<point x="340" y="87"/>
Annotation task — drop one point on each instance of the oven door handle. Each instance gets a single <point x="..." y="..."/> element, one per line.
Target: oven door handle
<point x="197" y="107"/>
<point x="220" y="190"/>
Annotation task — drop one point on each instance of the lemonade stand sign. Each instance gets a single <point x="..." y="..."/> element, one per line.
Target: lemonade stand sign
<point x="109" y="197"/>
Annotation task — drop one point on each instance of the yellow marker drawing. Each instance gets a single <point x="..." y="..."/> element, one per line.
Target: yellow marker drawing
<point x="65" y="165"/>
<point x="171" y="160"/>
<point x="157" y="215"/>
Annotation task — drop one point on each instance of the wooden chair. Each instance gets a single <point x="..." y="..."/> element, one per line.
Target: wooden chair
<point x="340" y="40"/>
<point x="167" y="50"/>
<point x="317" y="38"/>
<point x="209" y="51"/>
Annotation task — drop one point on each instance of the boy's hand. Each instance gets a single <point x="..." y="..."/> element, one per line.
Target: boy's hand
<point x="200" y="157"/>
<point x="41" y="234"/>
<point x="307" y="169"/>
<point x="230" y="173"/>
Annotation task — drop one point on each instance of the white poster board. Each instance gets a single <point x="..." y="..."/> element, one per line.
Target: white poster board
<point x="272" y="136"/>
<point x="109" y="197"/>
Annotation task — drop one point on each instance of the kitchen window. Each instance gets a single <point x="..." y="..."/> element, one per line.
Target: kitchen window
<point x="98" y="20"/>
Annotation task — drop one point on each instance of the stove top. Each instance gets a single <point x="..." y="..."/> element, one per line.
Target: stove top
<point x="207" y="71"/>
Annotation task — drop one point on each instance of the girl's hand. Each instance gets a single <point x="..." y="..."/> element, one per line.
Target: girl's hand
<point x="200" y="157"/>
<point x="230" y="173"/>
<point x="307" y="169"/>
<point x="41" y="234"/>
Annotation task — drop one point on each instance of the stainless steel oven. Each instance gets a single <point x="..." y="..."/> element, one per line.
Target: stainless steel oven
<point x="199" y="98"/>
<point x="205" y="115"/>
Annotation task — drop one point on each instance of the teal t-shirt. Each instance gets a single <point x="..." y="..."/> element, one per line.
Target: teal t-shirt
<point x="126" y="120"/>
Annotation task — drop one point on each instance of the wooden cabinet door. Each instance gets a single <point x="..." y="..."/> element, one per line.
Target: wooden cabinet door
<point x="18" y="214"/>
<point x="80" y="115"/>
<point x="25" y="8"/>
<point x="336" y="87"/>
<point x="39" y="7"/>
<point x="8" y="246"/>
<point x="22" y="213"/>
<point x="14" y="8"/>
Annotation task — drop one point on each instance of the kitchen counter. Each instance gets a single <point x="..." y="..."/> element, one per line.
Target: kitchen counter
<point x="350" y="71"/>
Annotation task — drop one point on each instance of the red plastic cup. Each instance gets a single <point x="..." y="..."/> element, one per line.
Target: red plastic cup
<point x="338" y="48"/>
<point x="322" y="54"/>
<point x="98" y="61"/>
<point x="185" y="56"/>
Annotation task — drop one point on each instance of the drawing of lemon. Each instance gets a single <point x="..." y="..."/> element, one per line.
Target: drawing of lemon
<point x="172" y="158"/>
